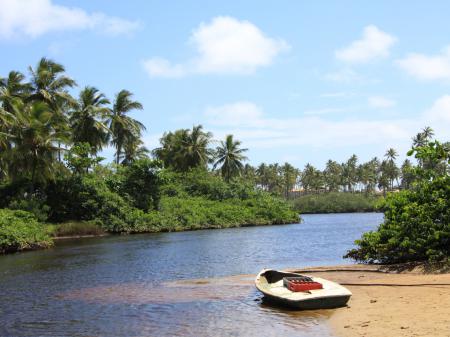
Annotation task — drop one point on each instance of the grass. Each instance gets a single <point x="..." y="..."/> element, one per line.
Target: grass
<point x="75" y="228"/>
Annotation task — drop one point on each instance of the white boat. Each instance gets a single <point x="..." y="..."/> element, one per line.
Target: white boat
<point x="332" y="295"/>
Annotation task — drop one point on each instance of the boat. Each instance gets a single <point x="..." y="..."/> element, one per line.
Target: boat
<point x="273" y="284"/>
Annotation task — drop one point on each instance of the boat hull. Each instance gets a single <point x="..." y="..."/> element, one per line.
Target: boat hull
<point x="270" y="283"/>
<point x="312" y="304"/>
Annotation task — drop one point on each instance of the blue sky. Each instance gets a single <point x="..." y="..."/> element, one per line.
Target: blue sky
<point x="296" y="81"/>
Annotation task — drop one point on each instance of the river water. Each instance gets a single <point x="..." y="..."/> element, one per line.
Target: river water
<point x="196" y="283"/>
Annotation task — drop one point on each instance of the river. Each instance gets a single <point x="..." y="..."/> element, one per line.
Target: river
<point x="197" y="283"/>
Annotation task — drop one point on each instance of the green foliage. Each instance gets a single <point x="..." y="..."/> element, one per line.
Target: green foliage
<point x="79" y="158"/>
<point x="417" y="221"/>
<point x="19" y="230"/>
<point x="336" y="202"/>
<point x="140" y="182"/>
<point x="177" y="214"/>
<point x="184" y="149"/>
<point x="35" y="205"/>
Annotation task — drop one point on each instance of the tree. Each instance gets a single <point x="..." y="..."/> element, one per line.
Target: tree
<point x="407" y="174"/>
<point x="133" y="150"/>
<point x="185" y="149"/>
<point x="416" y="225"/>
<point x="121" y="126"/>
<point x="311" y="178"/>
<point x="229" y="156"/>
<point x="332" y="176"/>
<point x="35" y="136"/>
<point x="13" y="89"/>
<point x="289" y="177"/>
<point x="390" y="169"/>
<point x="49" y="84"/>
<point x="80" y="159"/>
<point x="87" y="120"/>
<point x="349" y="173"/>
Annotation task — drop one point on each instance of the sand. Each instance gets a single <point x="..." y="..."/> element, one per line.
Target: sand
<point x="415" y="304"/>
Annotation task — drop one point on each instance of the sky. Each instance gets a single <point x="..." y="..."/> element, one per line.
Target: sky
<point x="295" y="81"/>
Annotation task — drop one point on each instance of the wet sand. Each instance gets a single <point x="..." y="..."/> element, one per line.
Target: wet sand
<point x="407" y="303"/>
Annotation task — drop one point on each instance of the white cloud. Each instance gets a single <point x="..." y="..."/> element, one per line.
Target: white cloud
<point x="435" y="67"/>
<point x="374" y="44"/>
<point x="224" y="45"/>
<point x="380" y="102"/>
<point x="33" y="18"/>
<point x="339" y="94"/>
<point x="159" y="67"/>
<point x="345" y="75"/>
<point x="241" y="114"/>
<point x="248" y="123"/>
<point x="438" y="117"/>
<point x="323" y="111"/>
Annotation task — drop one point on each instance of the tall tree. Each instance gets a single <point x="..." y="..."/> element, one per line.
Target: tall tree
<point x="35" y="136"/>
<point x="87" y="120"/>
<point x="133" y="150"/>
<point x="391" y="170"/>
<point x="124" y="127"/>
<point x="229" y="156"/>
<point x="13" y="89"/>
<point x="332" y="175"/>
<point x="349" y="173"/>
<point x="289" y="177"/>
<point x="407" y="174"/>
<point x="185" y="149"/>
<point x="50" y="84"/>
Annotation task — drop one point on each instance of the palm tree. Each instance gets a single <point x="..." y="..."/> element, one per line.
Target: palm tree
<point x="13" y="89"/>
<point x="427" y="133"/>
<point x="35" y="136"/>
<point x="391" y="154"/>
<point x="230" y="156"/>
<point x="290" y="176"/>
<point x="349" y="173"/>
<point x="134" y="150"/>
<point x="49" y="84"/>
<point x="332" y="175"/>
<point x="390" y="168"/>
<point x="185" y="149"/>
<point x="407" y="174"/>
<point x="121" y="126"/>
<point x="87" y="120"/>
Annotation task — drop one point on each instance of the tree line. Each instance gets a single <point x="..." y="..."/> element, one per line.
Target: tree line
<point x="42" y="126"/>
<point x="45" y="129"/>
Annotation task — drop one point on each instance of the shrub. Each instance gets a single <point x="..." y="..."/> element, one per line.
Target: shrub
<point x="336" y="202"/>
<point x="19" y="230"/>
<point x="417" y="221"/>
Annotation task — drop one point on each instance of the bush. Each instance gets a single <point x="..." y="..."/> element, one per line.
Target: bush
<point x="19" y="230"/>
<point x="336" y="202"/>
<point x="417" y="221"/>
<point x="35" y="205"/>
<point x="177" y="214"/>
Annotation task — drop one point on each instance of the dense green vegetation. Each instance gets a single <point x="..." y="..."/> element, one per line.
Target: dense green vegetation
<point x="50" y="168"/>
<point x="336" y="202"/>
<point x="417" y="220"/>
<point x="19" y="230"/>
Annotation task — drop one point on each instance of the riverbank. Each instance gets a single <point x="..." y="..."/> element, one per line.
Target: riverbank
<point x="390" y="302"/>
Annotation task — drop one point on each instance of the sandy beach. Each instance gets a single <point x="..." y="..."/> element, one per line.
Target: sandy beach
<point x="406" y="303"/>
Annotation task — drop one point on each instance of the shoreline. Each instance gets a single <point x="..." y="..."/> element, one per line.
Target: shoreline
<point x="388" y="301"/>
